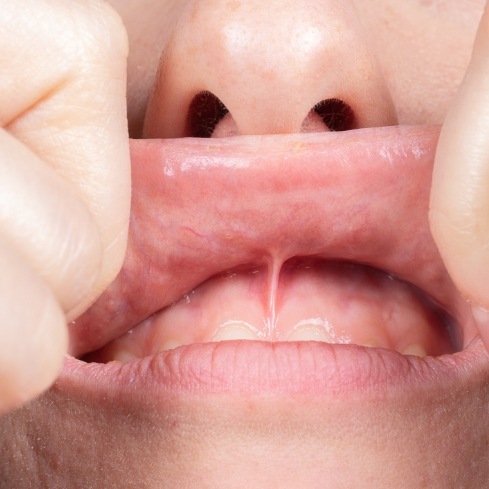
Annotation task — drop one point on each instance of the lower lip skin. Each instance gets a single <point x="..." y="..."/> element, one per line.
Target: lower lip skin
<point x="246" y="368"/>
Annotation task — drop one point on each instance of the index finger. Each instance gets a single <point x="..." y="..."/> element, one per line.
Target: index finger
<point x="459" y="207"/>
<point x="71" y="108"/>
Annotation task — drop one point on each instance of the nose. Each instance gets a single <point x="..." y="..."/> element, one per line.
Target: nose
<point x="267" y="67"/>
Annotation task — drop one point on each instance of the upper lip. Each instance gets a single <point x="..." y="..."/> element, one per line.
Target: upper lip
<point x="204" y="206"/>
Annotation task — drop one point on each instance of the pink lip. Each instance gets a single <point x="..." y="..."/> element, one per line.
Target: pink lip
<point x="203" y="206"/>
<point x="246" y="368"/>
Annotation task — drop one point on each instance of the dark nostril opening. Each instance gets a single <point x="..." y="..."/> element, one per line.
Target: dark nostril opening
<point x="204" y="113"/>
<point x="336" y="114"/>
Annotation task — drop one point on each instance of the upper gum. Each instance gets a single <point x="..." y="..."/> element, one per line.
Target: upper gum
<point x="231" y="308"/>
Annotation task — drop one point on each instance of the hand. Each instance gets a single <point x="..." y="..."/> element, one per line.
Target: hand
<point x="459" y="210"/>
<point x="64" y="178"/>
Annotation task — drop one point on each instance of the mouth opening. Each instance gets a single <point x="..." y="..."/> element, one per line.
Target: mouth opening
<point x="304" y="299"/>
<point x="205" y="278"/>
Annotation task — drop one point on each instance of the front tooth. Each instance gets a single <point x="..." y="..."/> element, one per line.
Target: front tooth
<point x="415" y="350"/>
<point x="310" y="332"/>
<point x="124" y="356"/>
<point x="236" y="330"/>
<point x="371" y="343"/>
<point x="170" y="344"/>
<point x="316" y="329"/>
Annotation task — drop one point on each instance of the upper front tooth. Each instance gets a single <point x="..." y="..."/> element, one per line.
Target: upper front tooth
<point x="310" y="332"/>
<point x="236" y="330"/>
<point x="124" y="356"/>
<point x="315" y="329"/>
<point x="415" y="350"/>
<point x="170" y="344"/>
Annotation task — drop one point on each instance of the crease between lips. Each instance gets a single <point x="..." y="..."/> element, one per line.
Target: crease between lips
<point x="201" y="207"/>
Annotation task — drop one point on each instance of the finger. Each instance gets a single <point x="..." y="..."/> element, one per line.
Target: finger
<point x="459" y="208"/>
<point x="72" y="113"/>
<point x="33" y="335"/>
<point x="48" y="223"/>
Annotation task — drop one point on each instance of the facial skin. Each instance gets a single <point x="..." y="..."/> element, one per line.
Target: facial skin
<point x="402" y="39"/>
<point x="394" y="63"/>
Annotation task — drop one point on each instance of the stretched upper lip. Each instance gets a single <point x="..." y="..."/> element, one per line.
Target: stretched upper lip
<point x="203" y="206"/>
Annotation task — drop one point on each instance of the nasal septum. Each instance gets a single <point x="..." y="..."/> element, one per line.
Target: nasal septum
<point x="275" y="67"/>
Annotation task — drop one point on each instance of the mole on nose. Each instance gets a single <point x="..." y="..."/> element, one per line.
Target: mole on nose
<point x="275" y="67"/>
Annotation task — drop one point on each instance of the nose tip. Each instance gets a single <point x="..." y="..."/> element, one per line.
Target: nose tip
<point x="267" y="68"/>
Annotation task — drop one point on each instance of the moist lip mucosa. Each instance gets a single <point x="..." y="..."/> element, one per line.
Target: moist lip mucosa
<point x="244" y="226"/>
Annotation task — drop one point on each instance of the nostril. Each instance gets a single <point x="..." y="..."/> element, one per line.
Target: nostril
<point x="336" y="114"/>
<point x="205" y="112"/>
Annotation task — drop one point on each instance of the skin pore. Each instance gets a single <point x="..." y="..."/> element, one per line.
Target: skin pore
<point x="395" y="63"/>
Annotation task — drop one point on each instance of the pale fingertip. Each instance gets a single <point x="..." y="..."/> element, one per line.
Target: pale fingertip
<point x="30" y="364"/>
<point x="459" y="203"/>
<point x="33" y="332"/>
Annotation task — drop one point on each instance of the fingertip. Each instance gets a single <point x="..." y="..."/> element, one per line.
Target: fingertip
<point x="461" y="238"/>
<point x="33" y="332"/>
<point x="31" y="361"/>
<point x="459" y="202"/>
<point x="30" y="364"/>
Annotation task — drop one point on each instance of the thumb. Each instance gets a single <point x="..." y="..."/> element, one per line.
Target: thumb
<point x="459" y="207"/>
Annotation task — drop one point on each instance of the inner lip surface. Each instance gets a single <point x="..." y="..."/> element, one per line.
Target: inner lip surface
<point x="375" y="181"/>
<point x="309" y="300"/>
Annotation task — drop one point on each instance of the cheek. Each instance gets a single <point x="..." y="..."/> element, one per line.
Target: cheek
<point x="423" y="48"/>
<point x="149" y="24"/>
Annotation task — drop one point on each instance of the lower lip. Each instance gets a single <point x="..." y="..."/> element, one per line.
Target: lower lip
<point x="244" y="368"/>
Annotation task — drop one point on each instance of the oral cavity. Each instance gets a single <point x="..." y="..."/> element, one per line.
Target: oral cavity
<point x="302" y="300"/>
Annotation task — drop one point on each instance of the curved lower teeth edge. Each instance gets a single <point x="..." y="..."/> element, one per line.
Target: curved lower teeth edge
<point x="314" y="329"/>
